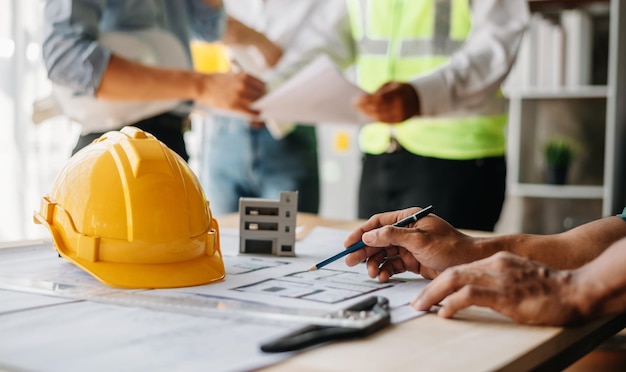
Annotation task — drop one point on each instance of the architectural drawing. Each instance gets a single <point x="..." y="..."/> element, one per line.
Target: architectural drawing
<point x="326" y="286"/>
<point x="236" y="265"/>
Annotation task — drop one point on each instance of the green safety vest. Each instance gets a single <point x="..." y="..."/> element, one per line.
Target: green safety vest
<point x="398" y="40"/>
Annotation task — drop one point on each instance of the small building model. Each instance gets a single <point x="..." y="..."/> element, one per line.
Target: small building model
<point x="268" y="226"/>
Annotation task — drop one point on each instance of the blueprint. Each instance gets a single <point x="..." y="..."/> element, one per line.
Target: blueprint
<point x="285" y="281"/>
<point x="114" y="329"/>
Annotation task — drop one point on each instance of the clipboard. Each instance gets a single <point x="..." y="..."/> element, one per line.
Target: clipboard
<point x="375" y="309"/>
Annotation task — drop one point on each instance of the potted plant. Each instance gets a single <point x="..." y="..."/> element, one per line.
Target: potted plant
<point x="558" y="154"/>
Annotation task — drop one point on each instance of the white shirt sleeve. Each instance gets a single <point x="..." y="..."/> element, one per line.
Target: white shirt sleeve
<point x="324" y="30"/>
<point x="476" y="71"/>
<point x="303" y="29"/>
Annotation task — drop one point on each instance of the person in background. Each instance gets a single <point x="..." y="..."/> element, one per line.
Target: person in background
<point x="558" y="279"/>
<point x="433" y="70"/>
<point x="270" y="39"/>
<point x="128" y="63"/>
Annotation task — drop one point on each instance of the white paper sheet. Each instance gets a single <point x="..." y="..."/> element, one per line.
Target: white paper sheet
<point x="318" y="93"/>
<point x="271" y="280"/>
<point x="18" y="301"/>
<point x="44" y="333"/>
<point x="88" y="336"/>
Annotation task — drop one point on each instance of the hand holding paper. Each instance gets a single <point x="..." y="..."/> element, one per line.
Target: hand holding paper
<point x="318" y="93"/>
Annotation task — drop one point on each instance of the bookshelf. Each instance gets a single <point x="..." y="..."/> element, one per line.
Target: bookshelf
<point x="585" y="104"/>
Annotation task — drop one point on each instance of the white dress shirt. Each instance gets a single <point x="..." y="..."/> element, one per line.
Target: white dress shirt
<point x="302" y="28"/>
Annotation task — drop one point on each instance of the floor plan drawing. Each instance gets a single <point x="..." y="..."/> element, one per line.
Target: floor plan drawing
<point x="326" y="286"/>
<point x="236" y="265"/>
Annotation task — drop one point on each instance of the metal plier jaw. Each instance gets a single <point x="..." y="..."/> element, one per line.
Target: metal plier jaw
<point x="359" y="320"/>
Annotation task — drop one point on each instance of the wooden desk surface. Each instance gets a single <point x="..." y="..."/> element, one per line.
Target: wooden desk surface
<point x="477" y="339"/>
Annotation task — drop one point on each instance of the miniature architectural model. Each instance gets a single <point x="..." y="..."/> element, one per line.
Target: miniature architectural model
<point x="268" y="226"/>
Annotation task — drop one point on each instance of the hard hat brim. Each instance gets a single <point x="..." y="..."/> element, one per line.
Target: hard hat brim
<point x="199" y="271"/>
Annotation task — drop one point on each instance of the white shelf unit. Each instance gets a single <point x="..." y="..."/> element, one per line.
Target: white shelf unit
<point x="594" y="117"/>
<point x="588" y="91"/>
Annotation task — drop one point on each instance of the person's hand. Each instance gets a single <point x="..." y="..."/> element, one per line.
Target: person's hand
<point x="525" y="290"/>
<point x="231" y="91"/>
<point x="427" y="247"/>
<point x="392" y="103"/>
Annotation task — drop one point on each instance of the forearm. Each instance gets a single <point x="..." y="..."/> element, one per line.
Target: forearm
<point x="601" y="284"/>
<point x="568" y="250"/>
<point x="271" y="52"/>
<point x="239" y="34"/>
<point x="324" y="30"/>
<point x="127" y="80"/>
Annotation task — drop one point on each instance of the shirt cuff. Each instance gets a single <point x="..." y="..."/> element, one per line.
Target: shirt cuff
<point x="99" y="61"/>
<point x="432" y="92"/>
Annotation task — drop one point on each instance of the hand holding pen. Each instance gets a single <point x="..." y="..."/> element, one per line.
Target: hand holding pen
<point x="360" y="244"/>
<point x="426" y="247"/>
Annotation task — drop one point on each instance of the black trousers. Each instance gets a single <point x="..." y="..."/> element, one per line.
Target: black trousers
<point x="467" y="193"/>
<point x="167" y="128"/>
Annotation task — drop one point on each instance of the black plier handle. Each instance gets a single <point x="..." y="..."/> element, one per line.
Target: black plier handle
<point x="376" y="307"/>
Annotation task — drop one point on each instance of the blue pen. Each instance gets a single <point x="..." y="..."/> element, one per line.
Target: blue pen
<point x="355" y="247"/>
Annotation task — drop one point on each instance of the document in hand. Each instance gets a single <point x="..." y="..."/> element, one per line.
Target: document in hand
<point x="318" y="93"/>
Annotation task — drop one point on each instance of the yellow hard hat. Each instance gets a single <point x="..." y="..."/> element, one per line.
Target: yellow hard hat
<point x="131" y="212"/>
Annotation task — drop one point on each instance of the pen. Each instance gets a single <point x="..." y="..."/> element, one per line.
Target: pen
<point x="355" y="247"/>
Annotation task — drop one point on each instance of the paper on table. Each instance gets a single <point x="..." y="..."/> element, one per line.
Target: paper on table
<point x="277" y="281"/>
<point x="285" y="281"/>
<point x="17" y="301"/>
<point x="88" y="336"/>
<point x="317" y="93"/>
<point x="199" y="341"/>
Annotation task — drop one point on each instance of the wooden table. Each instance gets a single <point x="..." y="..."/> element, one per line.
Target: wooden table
<point x="476" y="339"/>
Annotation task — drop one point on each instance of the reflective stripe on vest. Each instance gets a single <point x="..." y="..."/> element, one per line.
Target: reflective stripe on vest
<point x="398" y="40"/>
